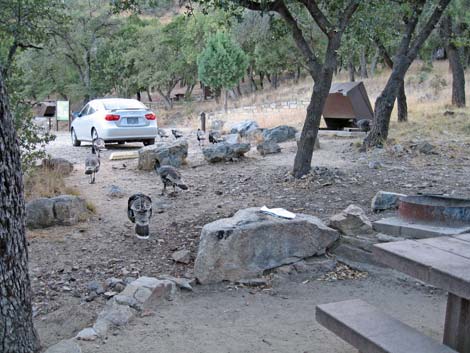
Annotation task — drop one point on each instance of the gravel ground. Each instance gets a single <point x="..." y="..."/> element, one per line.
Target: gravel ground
<point x="64" y="260"/>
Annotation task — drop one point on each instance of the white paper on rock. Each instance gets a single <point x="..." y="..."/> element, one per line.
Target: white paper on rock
<point x="278" y="212"/>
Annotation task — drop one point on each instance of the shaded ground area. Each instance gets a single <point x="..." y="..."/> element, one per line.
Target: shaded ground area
<point x="64" y="260"/>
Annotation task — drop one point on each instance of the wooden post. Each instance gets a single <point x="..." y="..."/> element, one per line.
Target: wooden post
<point x="203" y="121"/>
<point x="457" y="324"/>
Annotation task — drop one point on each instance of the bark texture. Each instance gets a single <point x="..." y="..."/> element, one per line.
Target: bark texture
<point x="455" y="63"/>
<point x="17" y="334"/>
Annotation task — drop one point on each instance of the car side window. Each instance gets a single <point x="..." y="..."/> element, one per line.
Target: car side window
<point x="91" y="110"/>
<point x="84" y="111"/>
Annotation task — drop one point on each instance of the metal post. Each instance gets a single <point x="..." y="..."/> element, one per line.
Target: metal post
<point x="203" y="121"/>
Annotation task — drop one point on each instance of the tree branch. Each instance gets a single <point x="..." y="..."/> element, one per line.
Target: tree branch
<point x="383" y="52"/>
<point x="428" y="27"/>
<point x="319" y="17"/>
<point x="347" y="13"/>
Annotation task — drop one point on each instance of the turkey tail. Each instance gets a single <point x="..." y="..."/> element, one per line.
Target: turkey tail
<point x="183" y="186"/>
<point x="89" y="170"/>
<point x="142" y="232"/>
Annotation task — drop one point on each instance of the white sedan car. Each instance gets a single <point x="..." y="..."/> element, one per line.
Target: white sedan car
<point x="114" y="120"/>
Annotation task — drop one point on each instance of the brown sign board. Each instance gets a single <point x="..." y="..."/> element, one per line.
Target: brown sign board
<point x="345" y="102"/>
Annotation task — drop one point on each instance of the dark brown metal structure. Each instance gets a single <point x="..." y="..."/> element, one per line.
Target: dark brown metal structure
<point x="346" y="101"/>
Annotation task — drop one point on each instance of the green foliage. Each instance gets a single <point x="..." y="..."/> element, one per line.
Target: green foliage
<point x="223" y="63"/>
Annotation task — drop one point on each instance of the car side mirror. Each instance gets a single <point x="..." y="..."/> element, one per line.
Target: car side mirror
<point x="75" y="115"/>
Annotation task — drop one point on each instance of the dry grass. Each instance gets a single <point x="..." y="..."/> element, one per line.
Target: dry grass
<point x="45" y="182"/>
<point x="428" y="95"/>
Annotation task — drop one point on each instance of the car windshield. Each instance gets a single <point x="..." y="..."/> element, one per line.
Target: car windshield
<point x="122" y="104"/>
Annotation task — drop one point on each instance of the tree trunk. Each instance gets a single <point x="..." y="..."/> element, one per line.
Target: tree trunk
<point x="384" y="104"/>
<point x="297" y="75"/>
<point x="166" y="99"/>
<point x="261" y="80"/>
<point x="306" y="144"/>
<point x="455" y="63"/>
<point x="189" y="91"/>
<point x="225" y="100"/>
<point x="239" y="91"/>
<point x="373" y="64"/>
<point x="363" y="61"/>
<point x="352" y="71"/>
<point x="252" y="79"/>
<point x="149" y="96"/>
<point x="17" y="333"/>
<point x="402" y="106"/>
<point x="139" y="96"/>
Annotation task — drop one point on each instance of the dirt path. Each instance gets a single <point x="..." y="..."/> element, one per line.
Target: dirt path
<point x="216" y="320"/>
<point x="64" y="260"/>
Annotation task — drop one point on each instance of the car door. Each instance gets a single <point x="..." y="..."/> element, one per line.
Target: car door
<point x="80" y="124"/>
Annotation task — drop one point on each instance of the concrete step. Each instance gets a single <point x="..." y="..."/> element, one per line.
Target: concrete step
<point x="401" y="228"/>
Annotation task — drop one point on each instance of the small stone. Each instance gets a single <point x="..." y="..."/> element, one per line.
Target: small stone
<point x="182" y="256"/>
<point x="425" y="148"/>
<point x="253" y="282"/>
<point x="110" y="294"/>
<point x="125" y="300"/>
<point x="115" y="191"/>
<point x="182" y="283"/>
<point x="111" y="282"/>
<point x="352" y="221"/>
<point x="90" y="297"/>
<point x="374" y="165"/>
<point x="87" y="334"/>
<point x="118" y="315"/>
<point x="119" y="287"/>
<point x="95" y="286"/>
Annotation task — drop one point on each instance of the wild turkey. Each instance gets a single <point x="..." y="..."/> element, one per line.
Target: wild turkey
<point x="176" y="133"/>
<point x="201" y="136"/>
<point x="363" y="124"/>
<point x="139" y="211"/>
<point x="169" y="176"/>
<point x="214" y="137"/>
<point x="92" y="163"/>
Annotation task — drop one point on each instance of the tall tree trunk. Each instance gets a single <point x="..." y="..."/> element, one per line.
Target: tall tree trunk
<point x="306" y="144"/>
<point x="363" y="61"/>
<point x="455" y="63"/>
<point x="225" y="100"/>
<point x="139" y="96"/>
<point x="261" y="80"/>
<point x="384" y="104"/>
<point x="252" y="79"/>
<point x="17" y="333"/>
<point x="297" y="75"/>
<point x="373" y="64"/>
<point x="239" y="91"/>
<point x="149" y="96"/>
<point x="189" y="91"/>
<point x="402" y="105"/>
<point x="352" y="71"/>
<point x="166" y="99"/>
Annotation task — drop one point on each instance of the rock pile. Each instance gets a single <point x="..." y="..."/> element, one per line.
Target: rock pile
<point x="171" y="153"/>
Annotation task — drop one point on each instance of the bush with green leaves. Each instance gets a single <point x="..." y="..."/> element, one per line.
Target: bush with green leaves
<point x="222" y="64"/>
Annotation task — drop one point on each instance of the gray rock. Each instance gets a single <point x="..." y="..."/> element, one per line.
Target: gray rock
<point x="115" y="191"/>
<point x="65" y="346"/>
<point x="117" y="315"/>
<point x="87" y="334"/>
<point x="171" y="153"/>
<point x="125" y="300"/>
<point x="254" y="282"/>
<point x="182" y="283"/>
<point x="183" y="256"/>
<point x="217" y="125"/>
<point x="225" y="151"/>
<point x="95" y="286"/>
<point x="425" y="148"/>
<point x="60" y="210"/>
<point x="69" y="209"/>
<point x="60" y="165"/>
<point x="244" y="127"/>
<point x="251" y="242"/>
<point x="352" y="221"/>
<point x="101" y="327"/>
<point x="268" y="147"/>
<point x="374" y="165"/>
<point x="279" y="134"/>
<point x="385" y="200"/>
<point x="149" y="291"/>
<point x="232" y="138"/>
<point x="40" y="213"/>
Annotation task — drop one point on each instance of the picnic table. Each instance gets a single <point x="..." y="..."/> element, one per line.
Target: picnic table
<point x="443" y="262"/>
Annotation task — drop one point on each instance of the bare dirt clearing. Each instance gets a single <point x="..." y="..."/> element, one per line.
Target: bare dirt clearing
<point x="64" y="260"/>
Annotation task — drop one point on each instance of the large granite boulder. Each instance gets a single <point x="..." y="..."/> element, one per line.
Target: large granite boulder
<point x="268" y="147"/>
<point x="244" y="127"/>
<point x="167" y="153"/>
<point x="385" y="200"/>
<point x="60" y="165"/>
<point x="352" y="221"/>
<point x="279" y="134"/>
<point x="60" y="210"/>
<point x="251" y="242"/>
<point x="225" y="151"/>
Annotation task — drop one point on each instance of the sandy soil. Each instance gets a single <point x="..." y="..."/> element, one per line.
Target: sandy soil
<point x="64" y="260"/>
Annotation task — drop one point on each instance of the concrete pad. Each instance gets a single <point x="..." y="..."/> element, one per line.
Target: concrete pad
<point x="115" y="156"/>
<point x="401" y="228"/>
<point x="341" y="133"/>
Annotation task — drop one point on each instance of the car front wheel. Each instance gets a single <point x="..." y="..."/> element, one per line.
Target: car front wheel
<point x="75" y="141"/>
